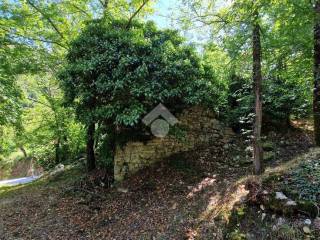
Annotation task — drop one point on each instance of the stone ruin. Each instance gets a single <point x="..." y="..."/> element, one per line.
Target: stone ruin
<point x="201" y="129"/>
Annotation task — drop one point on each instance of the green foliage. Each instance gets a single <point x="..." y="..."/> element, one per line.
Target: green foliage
<point x="34" y="38"/>
<point x="237" y="235"/>
<point x="287" y="33"/>
<point x="305" y="180"/>
<point x="50" y="132"/>
<point x="115" y="75"/>
<point x="217" y="62"/>
<point x="282" y="99"/>
<point x="7" y="144"/>
<point x="240" y="102"/>
<point x="10" y="94"/>
<point x="286" y="232"/>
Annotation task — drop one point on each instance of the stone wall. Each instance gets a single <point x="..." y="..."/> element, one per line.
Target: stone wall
<point x="200" y="130"/>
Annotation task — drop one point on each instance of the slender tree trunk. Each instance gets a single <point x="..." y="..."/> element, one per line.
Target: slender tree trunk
<point x="316" y="91"/>
<point x="57" y="149"/>
<point x="91" y="161"/>
<point x="257" y="82"/>
<point x="24" y="152"/>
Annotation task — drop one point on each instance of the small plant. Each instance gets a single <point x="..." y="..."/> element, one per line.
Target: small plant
<point x="237" y="235"/>
<point x="305" y="180"/>
<point x="285" y="232"/>
<point x="179" y="132"/>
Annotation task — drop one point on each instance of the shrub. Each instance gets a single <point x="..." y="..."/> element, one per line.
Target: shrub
<point x="116" y="74"/>
<point x="305" y="180"/>
<point x="282" y="99"/>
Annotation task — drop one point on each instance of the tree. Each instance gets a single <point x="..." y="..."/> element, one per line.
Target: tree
<point x="241" y="16"/>
<point x="286" y="40"/>
<point x="115" y="75"/>
<point x="257" y="81"/>
<point x="34" y="37"/>
<point x="316" y="96"/>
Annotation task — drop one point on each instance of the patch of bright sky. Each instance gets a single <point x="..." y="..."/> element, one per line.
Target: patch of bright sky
<point x="163" y="9"/>
<point x="166" y="15"/>
<point x="166" y="12"/>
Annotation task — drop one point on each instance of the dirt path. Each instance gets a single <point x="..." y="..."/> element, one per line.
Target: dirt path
<point x="164" y="203"/>
<point x="17" y="181"/>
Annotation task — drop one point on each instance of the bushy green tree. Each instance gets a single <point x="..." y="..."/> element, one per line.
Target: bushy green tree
<point x="34" y="38"/>
<point x="117" y="73"/>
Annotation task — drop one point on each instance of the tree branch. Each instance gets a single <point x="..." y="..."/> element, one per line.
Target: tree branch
<point x="32" y="38"/>
<point x="219" y="19"/>
<point x="136" y="12"/>
<point x="46" y="17"/>
<point x="104" y="4"/>
<point x="78" y="8"/>
<point x="39" y="102"/>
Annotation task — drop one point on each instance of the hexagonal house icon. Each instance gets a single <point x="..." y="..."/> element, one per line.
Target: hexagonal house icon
<point x="160" y="126"/>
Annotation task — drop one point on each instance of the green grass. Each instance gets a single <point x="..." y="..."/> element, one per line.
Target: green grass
<point x="69" y="176"/>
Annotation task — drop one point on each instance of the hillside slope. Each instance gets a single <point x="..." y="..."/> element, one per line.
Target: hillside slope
<point x="189" y="196"/>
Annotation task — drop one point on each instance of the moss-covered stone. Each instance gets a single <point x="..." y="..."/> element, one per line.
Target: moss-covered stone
<point x="268" y="156"/>
<point x="308" y="207"/>
<point x="268" y="146"/>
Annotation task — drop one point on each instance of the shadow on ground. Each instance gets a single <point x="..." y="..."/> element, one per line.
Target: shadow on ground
<point x="189" y="196"/>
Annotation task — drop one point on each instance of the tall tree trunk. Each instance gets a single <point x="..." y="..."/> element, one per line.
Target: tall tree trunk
<point x="257" y="82"/>
<point x="91" y="160"/>
<point x="316" y="91"/>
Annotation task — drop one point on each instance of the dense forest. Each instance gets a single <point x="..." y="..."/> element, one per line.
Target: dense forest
<point x="77" y="77"/>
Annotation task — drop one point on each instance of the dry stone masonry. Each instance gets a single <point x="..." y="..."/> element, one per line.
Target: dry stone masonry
<point x="201" y="129"/>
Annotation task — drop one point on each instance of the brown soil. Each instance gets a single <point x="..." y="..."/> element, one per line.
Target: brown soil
<point x="185" y="197"/>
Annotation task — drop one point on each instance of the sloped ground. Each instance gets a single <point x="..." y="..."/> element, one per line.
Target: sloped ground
<point x="189" y="196"/>
<point x="263" y="216"/>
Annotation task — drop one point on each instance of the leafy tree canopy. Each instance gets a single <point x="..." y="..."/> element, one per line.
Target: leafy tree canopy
<point x="116" y="73"/>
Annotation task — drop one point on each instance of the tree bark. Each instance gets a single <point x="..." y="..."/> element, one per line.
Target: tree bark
<point x="136" y="12"/>
<point x="57" y="149"/>
<point x="316" y="91"/>
<point x="257" y="82"/>
<point x="24" y="152"/>
<point x="91" y="160"/>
